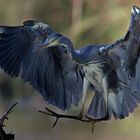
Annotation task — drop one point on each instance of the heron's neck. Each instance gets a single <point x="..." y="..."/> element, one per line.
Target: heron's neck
<point x="76" y="56"/>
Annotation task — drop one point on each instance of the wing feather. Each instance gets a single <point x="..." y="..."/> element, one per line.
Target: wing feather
<point x="50" y="71"/>
<point x="125" y="61"/>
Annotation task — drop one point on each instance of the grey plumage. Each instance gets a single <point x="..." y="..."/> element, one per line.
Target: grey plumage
<point x="50" y="71"/>
<point x="47" y="61"/>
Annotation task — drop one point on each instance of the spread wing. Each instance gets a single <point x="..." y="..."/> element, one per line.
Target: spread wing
<point x="123" y="78"/>
<point x="49" y="71"/>
<point x="125" y="61"/>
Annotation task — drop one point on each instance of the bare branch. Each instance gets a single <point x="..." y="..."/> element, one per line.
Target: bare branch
<point x="59" y="116"/>
<point x="3" y="135"/>
<point x="5" y="116"/>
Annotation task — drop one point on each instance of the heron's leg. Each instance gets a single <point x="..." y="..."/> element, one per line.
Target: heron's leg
<point x="106" y="89"/>
<point x="84" y="97"/>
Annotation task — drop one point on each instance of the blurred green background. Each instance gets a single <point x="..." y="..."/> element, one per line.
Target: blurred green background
<point x="84" y="22"/>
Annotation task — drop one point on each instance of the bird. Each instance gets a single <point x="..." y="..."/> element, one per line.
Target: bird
<point x="47" y="60"/>
<point x="111" y="69"/>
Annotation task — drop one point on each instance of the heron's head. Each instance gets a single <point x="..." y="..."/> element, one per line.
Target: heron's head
<point x="55" y="39"/>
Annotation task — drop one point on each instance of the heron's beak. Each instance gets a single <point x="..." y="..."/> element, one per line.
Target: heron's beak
<point x="52" y="40"/>
<point x="135" y="10"/>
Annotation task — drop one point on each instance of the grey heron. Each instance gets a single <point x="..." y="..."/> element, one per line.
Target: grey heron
<point x="47" y="60"/>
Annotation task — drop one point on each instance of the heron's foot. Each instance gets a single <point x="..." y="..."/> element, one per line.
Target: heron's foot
<point x="58" y="116"/>
<point x="5" y="116"/>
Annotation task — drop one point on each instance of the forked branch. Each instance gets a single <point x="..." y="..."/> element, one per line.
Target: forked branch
<point x="60" y="116"/>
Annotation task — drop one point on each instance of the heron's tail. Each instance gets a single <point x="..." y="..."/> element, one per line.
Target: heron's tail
<point x="97" y="108"/>
<point x="120" y="103"/>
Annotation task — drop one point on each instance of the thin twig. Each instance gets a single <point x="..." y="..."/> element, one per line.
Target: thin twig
<point x="3" y="135"/>
<point x="5" y="116"/>
<point x="58" y="116"/>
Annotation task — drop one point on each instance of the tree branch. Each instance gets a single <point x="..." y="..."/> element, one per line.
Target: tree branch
<point x="3" y="135"/>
